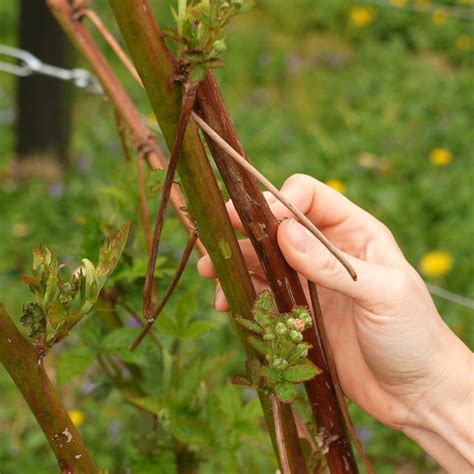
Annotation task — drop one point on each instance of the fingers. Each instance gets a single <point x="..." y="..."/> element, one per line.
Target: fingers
<point x="220" y="301"/>
<point x="305" y="254"/>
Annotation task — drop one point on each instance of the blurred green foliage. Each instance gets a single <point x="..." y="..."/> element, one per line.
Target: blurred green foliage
<point x="340" y="90"/>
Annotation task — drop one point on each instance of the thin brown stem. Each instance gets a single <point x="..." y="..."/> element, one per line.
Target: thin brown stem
<point x="318" y="316"/>
<point x="121" y="131"/>
<point x="143" y="203"/>
<point x="112" y="42"/>
<point x="280" y="438"/>
<point x="189" y="97"/>
<point x="281" y="197"/>
<point x="179" y="271"/>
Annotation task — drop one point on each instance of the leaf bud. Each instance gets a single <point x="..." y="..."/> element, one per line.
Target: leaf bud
<point x="302" y="350"/>
<point x="280" y="363"/>
<point x="269" y="336"/>
<point x="296" y="336"/>
<point x="281" y="329"/>
<point x="290" y="323"/>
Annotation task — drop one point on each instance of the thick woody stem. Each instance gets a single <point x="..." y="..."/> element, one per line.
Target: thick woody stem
<point x="157" y="68"/>
<point x="319" y="320"/>
<point x="21" y="361"/>
<point x="261" y="226"/>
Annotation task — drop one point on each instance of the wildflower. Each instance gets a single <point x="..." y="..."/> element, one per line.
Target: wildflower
<point x="422" y="4"/>
<point x="20" y="229"/>
<point x="398" y="3"/>
<point x="77" y="417"/>
<point x="440" y="16"/>
<point x="436" y="263"/>
<point x="361" y="16"/>
<point x="464" y="42"/>
<point x="336" y="184"/>
<point x="441" y="156"/>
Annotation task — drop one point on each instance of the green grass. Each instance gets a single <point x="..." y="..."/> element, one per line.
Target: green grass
<point x="309" y="93"/>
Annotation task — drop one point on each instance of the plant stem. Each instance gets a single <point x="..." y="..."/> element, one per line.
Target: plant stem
<point x="157" y="68"/>
<point x="319" y="321"/>
<point x="182" y="265"/>
<point x="21" y="361"/>
<point x="187" y="104"/>
<point x="261" y="226"/>
<point x="141" y="138"/>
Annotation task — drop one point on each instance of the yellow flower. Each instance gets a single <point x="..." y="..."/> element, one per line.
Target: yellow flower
<point x="77" y="417"/>
<point x="336" y="184"/>
<point x="464" y="42"/>
<point x="398" y="3"/>
<point x="422" y="4"/>
<point x="436" y="264"/>
<point x="440" y="16"/>
<point x="361" y="16"/>
<point x="441" y="156"/>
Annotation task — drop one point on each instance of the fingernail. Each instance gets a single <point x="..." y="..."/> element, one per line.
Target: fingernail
<point x="299" y="237"/>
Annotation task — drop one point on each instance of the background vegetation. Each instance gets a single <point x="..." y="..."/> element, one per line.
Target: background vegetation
<point x="377" y="101"/>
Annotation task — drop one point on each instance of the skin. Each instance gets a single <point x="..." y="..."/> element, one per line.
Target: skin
<point x="395" y="357"/>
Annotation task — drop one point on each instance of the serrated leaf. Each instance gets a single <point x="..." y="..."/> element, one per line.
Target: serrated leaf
<point x="271" y="374"/>
<point x="258" y="345"/>
<point x="119" y="340"/>
<point x="191" y="432"/>
<point x="264" y="302"/>
<point x="253" y="368"/>
<point x="111" y="250"/>
<point x="153" y="405"/>
<point x="72" y="363"/>
<point x="248" y="324"/>
<point x="286" y="391"/>
<point x="241" y="380"/>
<point x="301" y="372"/>
<point x="197" y="328"/>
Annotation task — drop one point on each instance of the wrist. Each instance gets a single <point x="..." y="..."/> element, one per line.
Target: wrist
<point x="444" y="408"/>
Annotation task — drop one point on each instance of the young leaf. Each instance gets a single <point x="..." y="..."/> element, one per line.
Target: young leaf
<point x="241" y="380"/>
<point x="248" y="324"/>
<point x="253" y="368"/>
<point x="271" y="374"/>
<point x="111" y="251"/>
<point x="286" y="391"/>
<point x="258" y="345"/>
<point x="301" y="372"/>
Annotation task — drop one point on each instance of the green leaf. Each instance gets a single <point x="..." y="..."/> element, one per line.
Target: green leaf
<point x="118" y="342"/>
<point x="191" y="432"/>
<point x="271" y="374"/>
<point x="153" y="405"/>
<point x="73" y="362"/>
<point x="197" y="328"/>
<point x="301" y="372"/>
<point x="258" y="345"/>
<point x="241" y="380"/>
<point x="264" y="302"/>
<point x="253" y="368"/>
<point x="111" y="250"/>
<point x="162" y="463"/>
<point x="286" y="391"/>
<point x="248" y="324"/>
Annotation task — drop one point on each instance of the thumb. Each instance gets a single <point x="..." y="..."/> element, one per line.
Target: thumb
<point x="305" y="254"/>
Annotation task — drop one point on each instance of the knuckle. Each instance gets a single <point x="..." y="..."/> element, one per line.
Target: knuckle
<point x="401" y="283"/>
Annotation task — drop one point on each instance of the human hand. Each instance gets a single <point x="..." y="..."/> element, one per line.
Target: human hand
<point x="391" y="348"/>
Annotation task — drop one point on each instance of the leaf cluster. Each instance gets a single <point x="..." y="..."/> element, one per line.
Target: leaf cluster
<point x="279" y="339"/>
<point x="61" y="303"/>
<point x="198" y="35"/>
